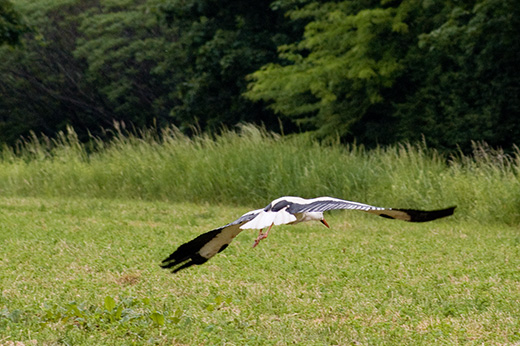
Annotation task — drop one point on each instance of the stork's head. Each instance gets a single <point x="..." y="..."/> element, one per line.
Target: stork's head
<point x="324" y="222"/>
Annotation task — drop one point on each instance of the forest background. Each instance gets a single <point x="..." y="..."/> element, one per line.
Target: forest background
<point x="371" y="72"/>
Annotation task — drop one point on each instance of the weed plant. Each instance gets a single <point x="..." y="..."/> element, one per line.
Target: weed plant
<point x="251" y="167"/>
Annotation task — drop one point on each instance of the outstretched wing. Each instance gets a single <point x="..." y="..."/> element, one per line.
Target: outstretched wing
<point x="206" y="245"/>
<point x="322" y="204"/>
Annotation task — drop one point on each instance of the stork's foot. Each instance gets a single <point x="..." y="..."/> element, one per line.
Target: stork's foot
<point x="262" y="236"/>
<point x="259" y="238"/>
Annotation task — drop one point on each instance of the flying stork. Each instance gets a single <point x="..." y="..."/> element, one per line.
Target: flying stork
<point x="284" y="210"/>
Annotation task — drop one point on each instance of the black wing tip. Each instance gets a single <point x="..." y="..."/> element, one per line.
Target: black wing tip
<point x="187" y="254"/>
<point x="428" y="215"/>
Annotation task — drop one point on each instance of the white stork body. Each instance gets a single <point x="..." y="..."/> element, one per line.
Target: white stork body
<point x="291" y="210"/>
<point x="284" y="210"/>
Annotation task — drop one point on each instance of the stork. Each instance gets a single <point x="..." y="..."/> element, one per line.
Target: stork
<point x="284" y="210"/>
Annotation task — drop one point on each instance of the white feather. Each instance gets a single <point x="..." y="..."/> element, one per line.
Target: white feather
<point x="268" y="218"/>
<point x="282" y="218"/>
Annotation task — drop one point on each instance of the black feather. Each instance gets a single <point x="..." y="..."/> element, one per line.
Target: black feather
<point x="190" y="252"/>
<point x="423" y="215"/>
<point x="278" y="206"/>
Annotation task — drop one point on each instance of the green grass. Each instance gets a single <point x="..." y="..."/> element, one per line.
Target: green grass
<point x="251" y="167"/>
<point x="83" y="228"/>
<point x="366" y="281"/>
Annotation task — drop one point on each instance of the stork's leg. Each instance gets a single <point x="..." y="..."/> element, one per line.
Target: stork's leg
<point x="257" y="241"/>
<point x="262" y="236"/>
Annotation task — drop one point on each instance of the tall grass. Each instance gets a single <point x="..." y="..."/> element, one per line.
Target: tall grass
<point x="251" y="167"/>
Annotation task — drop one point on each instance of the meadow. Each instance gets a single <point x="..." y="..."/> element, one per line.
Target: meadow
<point x="84" y="227"/>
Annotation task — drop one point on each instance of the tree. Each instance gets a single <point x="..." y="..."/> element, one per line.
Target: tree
<point x="144" y="63"/>
<point x="124" y="48"/>
<point x="385" y="71"/>
<point x="351" y="53"/>
<point x="12" y="26"/>
<point x="42" y="85"/>
<point x="219" y="43"/>
<point x="465" y="78"/>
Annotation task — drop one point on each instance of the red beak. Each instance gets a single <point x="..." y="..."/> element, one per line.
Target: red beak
<point x="325" y="223"/>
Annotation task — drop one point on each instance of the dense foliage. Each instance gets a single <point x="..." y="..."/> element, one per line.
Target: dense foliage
<point x="144" y="63"/>
<point x="12" y="25"/>
<point x="371" y="71"/>
<point x="384" y="71"/>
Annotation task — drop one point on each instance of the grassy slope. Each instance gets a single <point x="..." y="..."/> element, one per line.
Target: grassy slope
<point x="367" y="280"/>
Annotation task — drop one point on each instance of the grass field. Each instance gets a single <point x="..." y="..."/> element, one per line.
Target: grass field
<point x="85" y="272"/>
<point x="83" y="228"/>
